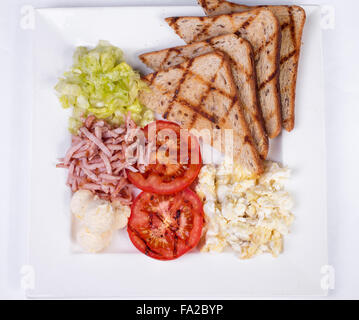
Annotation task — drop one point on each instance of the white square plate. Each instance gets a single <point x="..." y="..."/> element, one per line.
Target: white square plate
<point x="122" y="271"/>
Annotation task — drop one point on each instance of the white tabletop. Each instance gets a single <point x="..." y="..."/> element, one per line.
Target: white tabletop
<point x="342" y="96"/>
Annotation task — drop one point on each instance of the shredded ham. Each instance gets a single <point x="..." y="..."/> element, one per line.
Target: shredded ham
<point x="96" y="160"/>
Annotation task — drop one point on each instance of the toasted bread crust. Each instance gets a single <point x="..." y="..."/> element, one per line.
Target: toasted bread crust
<point x="243" y="70"/>
<point x="289" y="110"/>
<point x="292" y="20"/>
<point x="261" y="28"/>
<point x="200" y="93"/>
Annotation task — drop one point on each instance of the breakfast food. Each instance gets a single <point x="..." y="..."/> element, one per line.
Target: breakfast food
<point x="291" y="19"/>
<point x="246" y="213"/>
<point x="93" y="242"/>
<point x="166" y="175"/>
<point x="79" y="203"/>
<point x="101" y="83"/>
<point x="200" y="93"/>
<point x="97" y="159"/>
<point x="122" y="214"/>
<point x="165" y="227"/>
<point x="98" y="219"/>
<point x="241" y="58"/>
<point x="225" y="83"/>
<point x="100" y="216"/>
<point x="261" y="28"/>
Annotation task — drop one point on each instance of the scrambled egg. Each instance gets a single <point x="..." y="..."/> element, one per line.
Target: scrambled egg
<point x="246" y="213"/>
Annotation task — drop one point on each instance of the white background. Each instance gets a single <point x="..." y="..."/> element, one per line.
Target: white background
<point x="342" y="95"/>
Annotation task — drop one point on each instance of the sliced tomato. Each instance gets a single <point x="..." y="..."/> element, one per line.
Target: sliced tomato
<point x="167" y="178"/>
<point x="165" y="227"/>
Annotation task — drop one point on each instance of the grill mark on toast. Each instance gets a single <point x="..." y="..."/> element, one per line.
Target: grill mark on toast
<point x="233" y="102"/>
<point x="238" y="33"/>
<point x="225" y="94"/>
<point x="204" y="30"/>
<point x="245" y="25"/>
<point x="193" y="120"/>
<point x="231" y="20"/>
<point x="288" y="56"/>
<point x="168" y="53"/>
<point x="205" y="94"/>
<point x="248" y="22"/>
<point x="284" y="25"/>
<point x="153" y="76"/>
<point x="292" y="26"/>
<point x="203" y="97"/>
<point x="264" y="45"/>
<point x="173" y="23"/>
<point x="208" y="83"/>
<point x="203" y="4"/>
<point x="215" y="18"/>
<point x="174" y="98"/>
<point x="232" y="62"/>
<point x="238" y="66"/>
<point x="269" y="79"/>
<point x="233" y="99"/>
<point x="201" y="112"/>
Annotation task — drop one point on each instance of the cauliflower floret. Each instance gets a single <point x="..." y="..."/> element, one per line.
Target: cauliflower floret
<point x="79" y="202"/>
<point x="99" y="216"/>
<point x="93" y="242"/>
<point x="122" y="213"/>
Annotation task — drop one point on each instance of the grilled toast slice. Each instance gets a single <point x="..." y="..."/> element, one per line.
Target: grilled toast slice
<point x="292" y="20"/>
<point x="261" y="28"/>
<point x="200" y="93"/>
<point x="242" y="65"/>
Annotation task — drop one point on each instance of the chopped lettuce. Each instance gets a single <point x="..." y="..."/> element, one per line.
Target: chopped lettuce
<point x="101" y="83"/>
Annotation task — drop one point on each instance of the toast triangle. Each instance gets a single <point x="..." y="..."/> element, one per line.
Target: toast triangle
<point x="200" y="93"/>
<point x="292" y="20"/>
<point x="241" y="58"/>
<point x="261" y="28"/>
